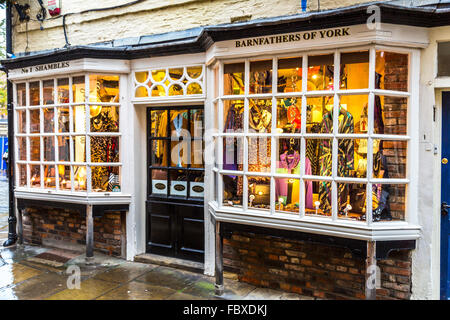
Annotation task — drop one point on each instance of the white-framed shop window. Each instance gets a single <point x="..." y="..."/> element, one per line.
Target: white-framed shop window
<point x="68" y="134"/>
<point x="170" y="82"/>
<point x="281" y="152"/>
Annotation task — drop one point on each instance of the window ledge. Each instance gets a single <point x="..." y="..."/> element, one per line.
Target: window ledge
<point x="93" y="199"/>
<point x="380" y="231"/>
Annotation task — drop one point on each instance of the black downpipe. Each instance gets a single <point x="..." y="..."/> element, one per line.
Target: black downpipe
<point x="12" y="220"/>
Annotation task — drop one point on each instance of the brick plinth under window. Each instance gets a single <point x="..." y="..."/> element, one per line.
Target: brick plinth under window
<point x="311" y="269"/>
<point x="68" y="227"/>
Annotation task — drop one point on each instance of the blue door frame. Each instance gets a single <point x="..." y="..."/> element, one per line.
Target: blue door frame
<point x="445" y="197"/>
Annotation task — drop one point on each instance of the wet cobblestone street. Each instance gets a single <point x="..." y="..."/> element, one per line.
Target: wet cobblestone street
<point x="3" y="208"/>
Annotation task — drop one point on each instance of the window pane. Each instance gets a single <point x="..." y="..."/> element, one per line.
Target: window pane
<point x="103" y="88"/>
<point x="35" y="123"/>
<point x="197" y="147"/>
<point x="319" y="115"/>
<point x="158" y="123"/>
<point x="105" y="149"/>
<point x="178" y="183"/>
<point x="49" y="91"/>
<point x="141" y="92"/>
<point x="49" y="148"/>
<point x="178" y="121"/>
<point x="288" y="156"/>
<point x="49" y="120"/>
<point x="63" y="90"/>
<point x="352" y="201"/>
<point x="64" y="177"/>
<point x="232" y="191"/>
<point x="22" y="175"/>
<point x="261" y="76"/>
<point x="321" y="198"/>
<point x="353" y="114"/>
<point x="287" y="193"/>
<point x="259" y="193"/>
<point x="35" y="94"/>
<point x="320" y="72"/>
<point x="354" y="70"/>
<point x="319" y="153"/>
<point x="159" y="153"/>
<point x="22" y="148"/>
<point x="194" y="88"/>
<point x="260" y="115"/>
<point x="21" y="94"/>
<point x="79" y="120"/>
<point x="389" y="159"/>
<point x="106" y="179"/>
<point x="444" y="59"/>
<point x="388" y="202"/>
<point x="63" y="119"/>
<point x="233" y="78"/>
<point x="194" y="72"/>
<point x="79" y="149"/>
<point x="197" y="119"/>
<point x="290" y="75"/>
<point x="259" y="154"/>
<point x="49" y="177"/>
<point x="159" y="182"/>
<point x="197" y="185"/>
<point x="233" y="153"/>
<point x="104" y="119"/>
<point x="233" y="115"/>
<point x="390" y="115"/>
<point x="78" y="89"/>
<point x="141" y="77"/>
<point x="79" y="174"/>
<point x="180" y="153"/>
<point x="21" y="121"/>
<point x="289" y="115"/>
<point x="35" y="150"/>
<point x="64" y="148"/>
<point x="352" y="158"/>
<point x="392" y="71"/>
<point x="176" y="90"/>
<point x="35" y="172"/>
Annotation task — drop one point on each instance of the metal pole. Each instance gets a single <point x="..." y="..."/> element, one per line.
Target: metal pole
<point x="371" y="271"/>
<point x="219" y="261"/>
<point x="12" y="235"/>
<point x="89" y="235"/>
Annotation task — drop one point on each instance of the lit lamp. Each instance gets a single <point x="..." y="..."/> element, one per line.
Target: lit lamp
<point x="347" y="209"/>
<point x="317" y="203"/>
<point x="95" y="111"/>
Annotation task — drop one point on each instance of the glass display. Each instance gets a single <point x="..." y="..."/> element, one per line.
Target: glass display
<point x="233" y="116"/>
<point x="260" y="115"/>
<point x="159" y="182"/>
<point x="48" y="91"/>
<point x="390" y="115"/>
<point x="64" y="177"/>
<point x="35" y="176"/>
<point x="34" y="93"/>
<point x="259" y="150"/>
<point x="392" y="69"/>
<point x="80" y="176"/>
<point x="158" y="126"/>
<point x="178" y="183"/>
<point x="287" y="195"/>
<point x="64" y="119"/>
<point x="290" y="74"/>
<point x="232" y="190"/>
<point x="105" y="149"/>
<point x="21" y="94"/>
<point x="259" y="192"/>
<point x="78" y="89"/>
<point x="79" y="149"/>
<point x="197" y="184"/>
<point x="21" y="121"/>
<point x="233" y="153"/>
<point x="49" y="120"/>
<point x="79" y="119"/>
<point x="22" y="175"/>
<point x="289" y="115"/>
<point x="64" y="148"/>
<point x="35" y="149"/>
<point x="261" y="76"/>
<point x="35" y="121"/>
<point x="104" y="119"/>
<point x="233" y="78"/>
<point x="49" y="177"/>
<point x="317" y="198"/>
<point x="389" y="159"/>
<point x="49" y="148"/>
<point x="103" y="88"/>
<point x="159" y="153"/>
<point x="352" y="201"/>
<point x="354" y="70"/>
<point x="22" y="148"/>
<point x="319" y="115"/>
<point x="320" y="72"/>
<point x="105" y="179"/>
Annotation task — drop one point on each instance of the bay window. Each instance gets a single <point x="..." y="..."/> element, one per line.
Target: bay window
<point x="68" y="134"/>
<point x="314" y="135"/>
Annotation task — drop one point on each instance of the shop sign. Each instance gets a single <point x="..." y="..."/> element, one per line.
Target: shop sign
<point x="46" y="67"/>
<point x="294" y="37"/>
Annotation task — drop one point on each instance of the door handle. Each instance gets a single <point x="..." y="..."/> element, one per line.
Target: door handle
<point x="444" y="208"/>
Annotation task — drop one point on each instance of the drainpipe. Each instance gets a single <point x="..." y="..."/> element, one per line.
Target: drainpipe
<point x="12" y="234"/>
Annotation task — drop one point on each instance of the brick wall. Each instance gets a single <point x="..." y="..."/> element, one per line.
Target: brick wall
<point x="68" y="227"/>
<point x="311" y="269"/>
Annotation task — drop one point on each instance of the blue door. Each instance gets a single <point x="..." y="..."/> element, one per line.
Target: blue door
<point x="445" y="198"/>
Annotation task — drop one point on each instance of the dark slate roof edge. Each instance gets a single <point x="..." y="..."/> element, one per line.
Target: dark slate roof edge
<point x="199" y="39"/>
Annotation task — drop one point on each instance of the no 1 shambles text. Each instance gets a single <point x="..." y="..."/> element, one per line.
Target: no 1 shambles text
<point x="231" y="309"/>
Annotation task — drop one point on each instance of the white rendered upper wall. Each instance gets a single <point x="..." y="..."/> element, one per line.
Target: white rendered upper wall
<point x="145" y="18"/>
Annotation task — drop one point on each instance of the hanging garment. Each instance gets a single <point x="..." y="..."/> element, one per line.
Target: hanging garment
<point x="290" y="164"/>
<point x="312" y="151"/>
<point x="345" y="159"/>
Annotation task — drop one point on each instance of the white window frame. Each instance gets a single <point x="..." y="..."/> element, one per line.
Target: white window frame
<point x="21" y="191"/>
<point x="364" y="230"/>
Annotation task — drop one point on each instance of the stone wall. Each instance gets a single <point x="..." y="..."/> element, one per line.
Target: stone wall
<point x="67" y="228"/>
<point x="145" y="18"/>
<point x="311" y="269"/>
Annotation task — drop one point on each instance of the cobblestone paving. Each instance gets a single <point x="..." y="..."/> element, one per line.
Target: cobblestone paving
<point x="23" y="276"/>
<point x="3" y="208"/>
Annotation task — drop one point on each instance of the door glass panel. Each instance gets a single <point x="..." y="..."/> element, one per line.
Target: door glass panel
<point x="178" y="183"/>
<point x="158" y="127"/>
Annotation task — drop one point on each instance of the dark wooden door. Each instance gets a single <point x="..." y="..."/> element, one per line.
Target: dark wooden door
<point x="445" y="198"/>
<point x="175" y="207"/>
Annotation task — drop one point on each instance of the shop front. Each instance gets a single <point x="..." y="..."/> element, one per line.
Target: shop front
<point x="286" y="152"/>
